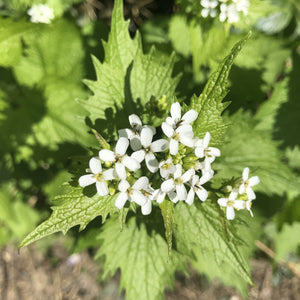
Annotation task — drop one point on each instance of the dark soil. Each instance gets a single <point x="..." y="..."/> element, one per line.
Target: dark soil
<point x="55" y="275"/>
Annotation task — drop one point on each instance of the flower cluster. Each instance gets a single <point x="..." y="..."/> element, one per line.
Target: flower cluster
<point x="228" y="10"/>
<point x="41" y="13"/>
<point x="241" y="196"/>
<point x="142" y="169"/>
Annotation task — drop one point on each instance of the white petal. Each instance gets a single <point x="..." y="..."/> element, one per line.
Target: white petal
<point x="245" y="174"/>
<point x="122" y="145"/>
<point x="139" y="155"/>
<point x="164" y="173"/>
<point x="233" y="195"/>
<point x="199" y="152"/>
<point x="134" y="120"/>
<point x="187" y="141"/>
<point x="206" y="140"/>
<point x="160" y="196"/>
<point x="250" y="193"/>
<point x="106" y="155"/>
<point x="181" y="191"/>
<point x="173" y="197"/>
<point x="188" y="175"/>
<point x="131" y="163"/>
<point x="135" y="143"/>
<point x="222" y="202"/>
<point x="138" y="198"/>
<point x="239" y="204"/>
<point x="253" y="181"/>
<point x="176" y="111"/>
<point x="141" y="183"/>
<point x="102" y="188"/>
<point x="190" y="197"/>
<point x="230" y="213"/>
<point x="214" y="151"/>
<point x="95" y="165"/>
<point x="151" y="162"/>
<point x="202" y="193"/>
<point x="170" y="121"/>
<point x="121" y="199"/>
<point x="242" y="189"/>
<point x="167" y="129"/>
<point x="120" y="170"/>
<point x="86" y="180"/>
<point x="109" y="174"/>
<point x="195" y="180"/>
<point x="151" y="127"/>
<point x="123" y="186"/>
<point x="167" y="185"/>
<point x="147" y="208"/>
<point x="185" y="129"/>
<point x="146" y="137"/>
<point x="190" y="116"/>
<point x="127" y="133"/>
<point x="178" y="171"/>
<point x="205" y="177"/>
<point x="173" y="147"/>
<point x="159" y="145"/>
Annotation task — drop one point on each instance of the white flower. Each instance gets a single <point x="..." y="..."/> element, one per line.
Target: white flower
<point x="150" y="194"/>
<point x="196" y="187"/>
<point x="242" y="6"/>
<point x="134" y="134"/>
<point x="231" y="203"/>
<point x="209" y="8"/>
<point x="177" y="183"/>
<point x="148" y="148"/>
<point x="183" y="134"/>
<point x="202" y="149"/>
<point x="248" y="206"/>
<point x="229" y="12"/>
<point x="247" y="184"/>
<point x="119" y="158"/>
<point x="166" y="168"/>
<point x="97" y="177"/>
<point x="175" y="120"/>
<point x="41" y="13"/>
<point x="132" y="193"/>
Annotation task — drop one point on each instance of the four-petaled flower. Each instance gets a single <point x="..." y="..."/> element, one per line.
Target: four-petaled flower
<point x="247" y="184"/>
<point x="231" y="203"/>
<point x="132" y="193"/>
<point x="166" y="168"/>
<point x="120" y="159"/>
<point x="177" y="183"/>
<point x="148" y="148"/>
<point x="97" y="177"/>
<point x="41" y="13"/>
<point x="202" y="149"/>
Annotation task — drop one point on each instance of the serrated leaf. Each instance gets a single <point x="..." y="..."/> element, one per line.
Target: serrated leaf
<point x="77" y="207"/>
<point x="127" y="79"/>
<point x="200" y="232"/>
<point x="167" y="211"/>
<point x="10" y="40"/>
<point x="146" y="270"/>
<point x="209" y="104"/>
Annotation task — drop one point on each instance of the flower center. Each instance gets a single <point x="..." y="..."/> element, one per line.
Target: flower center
<point x="178" y="181"/>
<point x="230" y="203"/>
<point x="176" y="136"/>
<point x="166" y="166"/>
<point x="99" y="177"/>
<point x="118" y="158"/>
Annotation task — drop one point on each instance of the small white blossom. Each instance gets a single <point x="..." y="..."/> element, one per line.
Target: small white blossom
<point x="242" y="6"/>
<point x="202" y="149"/>
<point x="120" y="159"/>
<point x="183" y="134"/>
<point x="196" y="187"/>
<point x="166" y="168"/>
<point x="247" y="184"/>
<point x="132" y="193"/>
<point x="209" y="8"/>
<point x="229" y="13"/>
<point x="177" y="183"/>
<point x="41" y="13"/>
<point x="248" y="206"/>
<point x="176" y="120"/>
<point x="149" y="148"/>
<point x="98" y="176"/>
<point x="134" y="134"/>
<point x="231" y="203"/>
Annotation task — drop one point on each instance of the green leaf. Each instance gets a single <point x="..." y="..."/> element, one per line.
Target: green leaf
<point x="286" y="241"/>
<point x="167" y="210"/>
<point x="127" y="79"/>
<point x="200" y="233"/>
<point x="209" y="104"/>
<point x="10" y="40"/>
<point x="146" y="270"/>
<point x="77" y="207"/>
